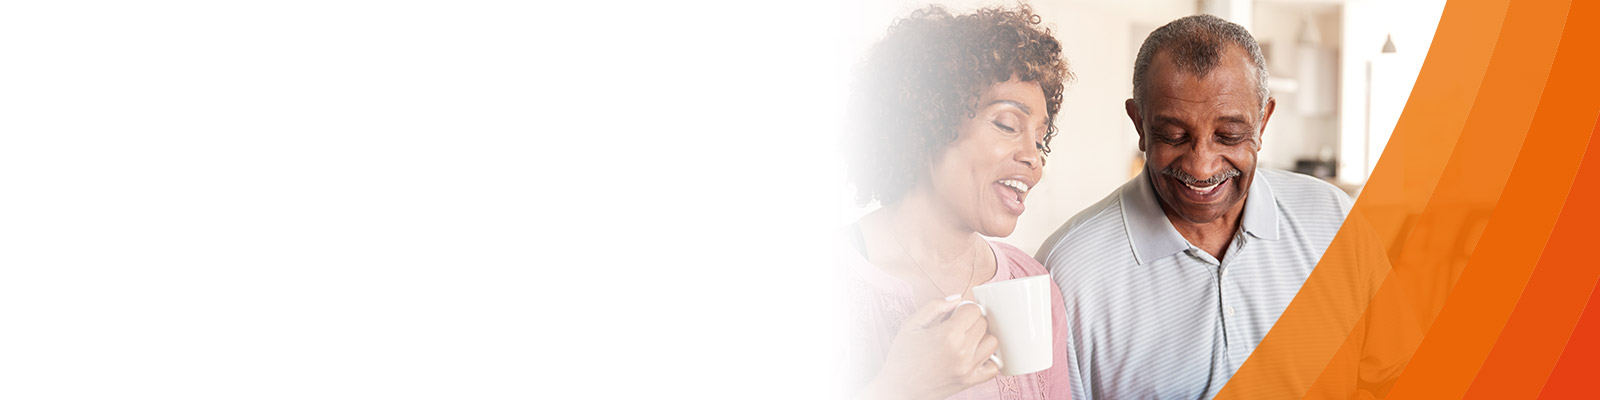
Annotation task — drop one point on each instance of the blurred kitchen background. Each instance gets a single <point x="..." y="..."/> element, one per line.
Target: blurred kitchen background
<point x="1341" y="71"/>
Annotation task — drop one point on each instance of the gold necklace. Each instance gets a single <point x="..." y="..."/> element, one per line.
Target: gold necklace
<point x="974" y="271"/>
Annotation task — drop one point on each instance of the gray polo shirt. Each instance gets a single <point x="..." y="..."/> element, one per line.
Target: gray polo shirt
<point x="1153" y="317"/>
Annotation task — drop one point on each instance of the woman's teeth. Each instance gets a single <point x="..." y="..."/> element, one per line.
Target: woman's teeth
<point x="1015" y="184"/>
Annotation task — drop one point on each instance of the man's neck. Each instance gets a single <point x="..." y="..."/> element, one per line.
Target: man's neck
<point x="1214" y="236"/>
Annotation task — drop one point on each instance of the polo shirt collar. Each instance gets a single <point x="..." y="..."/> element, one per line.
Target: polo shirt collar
<point x="1152" y="236"/>
<point x="1261" y="209"/>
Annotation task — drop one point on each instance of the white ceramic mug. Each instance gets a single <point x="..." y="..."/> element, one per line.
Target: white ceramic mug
<point x="1019" y="315"/>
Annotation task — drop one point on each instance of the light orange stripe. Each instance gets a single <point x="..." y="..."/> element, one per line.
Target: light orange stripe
<point x="1487" y="290"/>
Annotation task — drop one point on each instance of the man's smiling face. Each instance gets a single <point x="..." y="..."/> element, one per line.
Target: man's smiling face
<point x="1200" y="134"/>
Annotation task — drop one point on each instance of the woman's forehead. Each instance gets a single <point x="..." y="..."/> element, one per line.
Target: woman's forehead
<point x="1027" y="94"/>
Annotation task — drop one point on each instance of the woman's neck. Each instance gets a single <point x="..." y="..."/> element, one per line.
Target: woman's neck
<point x="931" y="232"/>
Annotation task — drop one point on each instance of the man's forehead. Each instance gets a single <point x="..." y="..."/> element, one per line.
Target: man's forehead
<point x="1228" y="88"/>
<point x="1233" y="62"/>
<point x="1209" y="91"/>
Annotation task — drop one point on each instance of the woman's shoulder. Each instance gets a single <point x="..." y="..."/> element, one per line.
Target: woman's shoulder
<point x="1019" y="261"/>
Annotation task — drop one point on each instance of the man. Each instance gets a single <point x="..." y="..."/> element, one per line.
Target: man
<point x="1172" y="280"/>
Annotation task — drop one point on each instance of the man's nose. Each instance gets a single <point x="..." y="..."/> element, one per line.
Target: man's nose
<point x="1204" y="160"/>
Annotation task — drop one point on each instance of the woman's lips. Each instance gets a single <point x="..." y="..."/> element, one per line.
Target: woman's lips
<point x="1012" y="193"/>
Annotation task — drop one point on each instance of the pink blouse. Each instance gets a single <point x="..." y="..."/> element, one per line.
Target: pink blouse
<point x="879" y="302"/>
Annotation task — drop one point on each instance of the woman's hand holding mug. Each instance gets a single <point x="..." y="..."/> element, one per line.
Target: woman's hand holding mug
<point x="933" y="357"/>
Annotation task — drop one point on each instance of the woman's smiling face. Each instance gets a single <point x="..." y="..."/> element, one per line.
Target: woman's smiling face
<point x="984" y="176"/>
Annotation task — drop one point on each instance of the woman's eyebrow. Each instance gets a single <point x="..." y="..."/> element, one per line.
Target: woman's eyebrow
<point x="1019" y="106"/>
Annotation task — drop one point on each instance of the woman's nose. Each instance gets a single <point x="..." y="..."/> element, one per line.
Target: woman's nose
<point x="1033" y="158"/>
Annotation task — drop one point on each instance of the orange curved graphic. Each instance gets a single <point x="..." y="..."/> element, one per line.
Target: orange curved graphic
<point x="1460" y="271"/>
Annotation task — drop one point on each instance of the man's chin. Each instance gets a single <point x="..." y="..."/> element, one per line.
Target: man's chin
<point x="1201" y="215"/>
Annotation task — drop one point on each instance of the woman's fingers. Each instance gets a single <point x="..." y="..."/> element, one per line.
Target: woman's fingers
<point x="974" y="333"/>
<point x="965" y="316"/>
<point x="986" y="347"/>
<point x="932" y="312"/>
<point x="986" y="370"/>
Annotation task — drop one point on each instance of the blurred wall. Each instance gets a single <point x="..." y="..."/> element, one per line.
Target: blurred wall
<point x="1295" y="131"/>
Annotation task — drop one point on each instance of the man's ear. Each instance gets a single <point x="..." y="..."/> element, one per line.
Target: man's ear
<point x="1138" y="121"/>
<point x="1272" y="103"/>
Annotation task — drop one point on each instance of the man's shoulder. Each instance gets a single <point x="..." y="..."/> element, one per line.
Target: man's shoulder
<point x="1097" y="223"/>
<point x="1299" y="192"/>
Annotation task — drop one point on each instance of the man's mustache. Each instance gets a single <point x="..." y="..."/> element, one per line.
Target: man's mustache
<point x="1186" y="178"/>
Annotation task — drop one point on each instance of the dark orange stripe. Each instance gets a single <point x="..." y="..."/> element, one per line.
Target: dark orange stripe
<point x="1574" y="374"/>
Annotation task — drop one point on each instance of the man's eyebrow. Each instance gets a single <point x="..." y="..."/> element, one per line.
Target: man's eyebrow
<point x="1167" y="120"/>
<point x="1019" y="106"/>
<point x="1233" y="119"/>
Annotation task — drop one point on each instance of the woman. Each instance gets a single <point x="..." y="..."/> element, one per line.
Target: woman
<point x="952" y="119"/>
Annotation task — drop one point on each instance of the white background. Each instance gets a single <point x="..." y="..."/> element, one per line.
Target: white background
<point x="416" y="199"/>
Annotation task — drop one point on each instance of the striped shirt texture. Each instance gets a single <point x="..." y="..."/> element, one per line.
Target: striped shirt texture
<point x="1152" y="316"/>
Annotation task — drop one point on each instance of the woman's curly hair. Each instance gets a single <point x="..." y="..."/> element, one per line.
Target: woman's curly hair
<point x="924" y="78"/>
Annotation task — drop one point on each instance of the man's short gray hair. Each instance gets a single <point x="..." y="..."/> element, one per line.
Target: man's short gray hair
<point x="1195" y="44"/>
